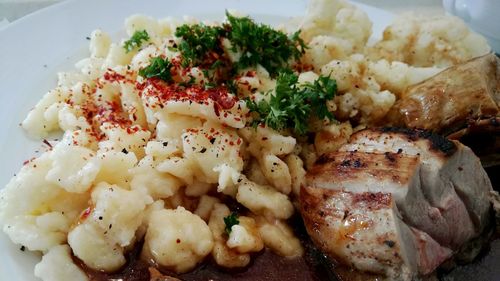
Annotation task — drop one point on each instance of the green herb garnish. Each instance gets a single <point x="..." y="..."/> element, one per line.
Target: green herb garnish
<point x="292" y="105"/>
<point x="260" y="44"/>
<point x="136" y="40"/>
<point x="318" y="93"/>
<point x="231" y="220"/>
<point x="197" y="41"/>
<point x="159" y="68"/>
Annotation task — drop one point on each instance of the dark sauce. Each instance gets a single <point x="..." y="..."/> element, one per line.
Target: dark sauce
<point x="265" y="266"/>
<point x="484" y="268"/>
<point x="313" y="266"/>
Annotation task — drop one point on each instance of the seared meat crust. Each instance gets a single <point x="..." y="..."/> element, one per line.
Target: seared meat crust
<point x="396" y="202"/>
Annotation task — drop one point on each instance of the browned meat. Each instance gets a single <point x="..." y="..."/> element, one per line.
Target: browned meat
<point x="398" y="175"/>
<point x="446" y="101"/>
<point x="364" y="230"/>
<point x="447" y="167"/>
<point x="397" y="202"/>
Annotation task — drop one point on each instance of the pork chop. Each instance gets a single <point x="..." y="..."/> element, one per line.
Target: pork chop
<point x="448" y="167"/>
<point x="397" y="202"/>
<point x="365" y="231"/>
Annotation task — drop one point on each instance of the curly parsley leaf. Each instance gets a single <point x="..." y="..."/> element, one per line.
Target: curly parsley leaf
<point x="136" y="40"/>
<point x="231" y="220"/>
<point x="317" y="93"/>
<point x="292" y="105"/>
<point x="260" y="44"/>
<point x="197" y="42"/>
<point x="159" y="68"/>
<point x="201" y="45"/>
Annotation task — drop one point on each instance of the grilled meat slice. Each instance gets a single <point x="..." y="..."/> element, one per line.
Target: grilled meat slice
<point x="400" y="176"/>
<point x="364" y="230"/>
<point x="447" y="167"/>
<point x="445" y="102"/>
<point x="426" y="195"/>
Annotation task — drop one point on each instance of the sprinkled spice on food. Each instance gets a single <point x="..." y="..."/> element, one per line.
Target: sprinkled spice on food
<point x="187" y="147"/>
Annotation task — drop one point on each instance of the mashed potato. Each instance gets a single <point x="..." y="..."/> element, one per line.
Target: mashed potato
<point x="134" y="166"/>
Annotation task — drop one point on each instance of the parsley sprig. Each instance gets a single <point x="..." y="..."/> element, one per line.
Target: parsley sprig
<point x="231" y="220"/>
<point x="197" y="41"/>
<point x="318" y="93"/>
<point x="159" y="68"/>
<point x="292" y="105"/>
<point x="136" y="40"/>
<point x="260" y="44"/>
<point x="201" y="46"/>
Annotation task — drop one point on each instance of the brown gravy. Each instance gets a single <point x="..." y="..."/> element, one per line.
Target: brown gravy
<point x="265" y="266"/>
<point x="268" y="266"/>
<point x="313" y="266"/>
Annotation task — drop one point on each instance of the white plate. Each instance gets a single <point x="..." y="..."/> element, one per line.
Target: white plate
<point x="36" y="47"/>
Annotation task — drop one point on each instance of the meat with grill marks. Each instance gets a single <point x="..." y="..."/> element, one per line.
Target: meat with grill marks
<point x="396" y="202"/>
